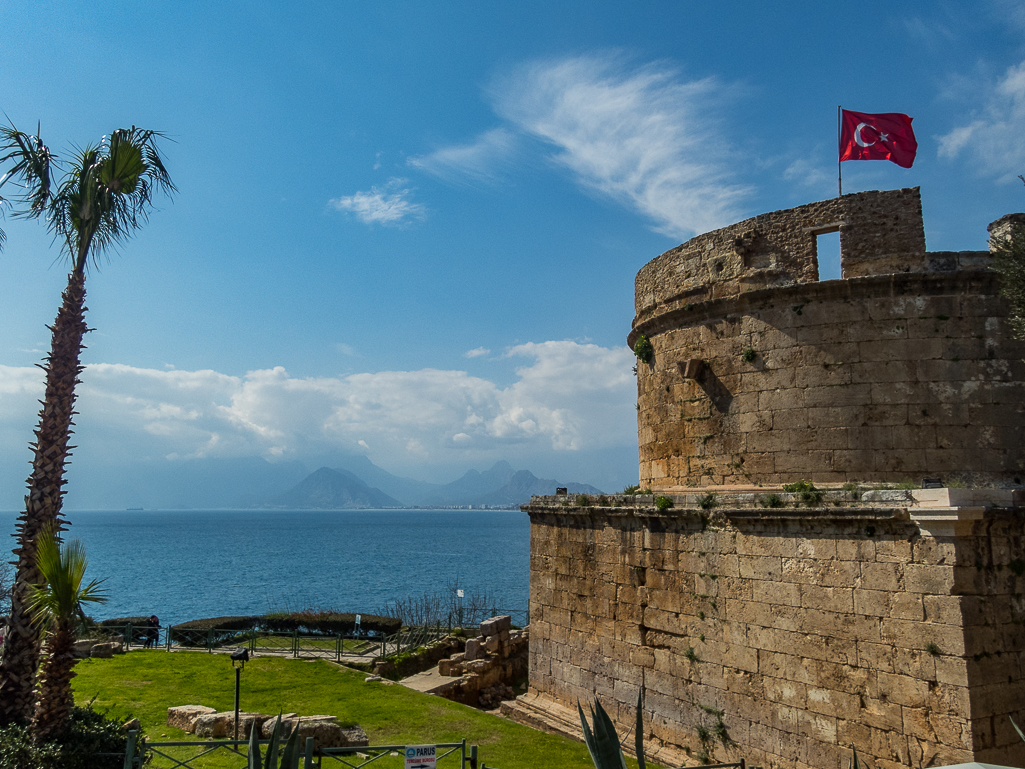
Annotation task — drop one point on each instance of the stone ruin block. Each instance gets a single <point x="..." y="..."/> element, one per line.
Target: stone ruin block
<point x="184" y="716"/>
<point x="105" y="650"/>
<point x="213" y="724"/>
<point x="323" y="729"/>
<point x="495" y="625"/>
<point x="472" y="649"/>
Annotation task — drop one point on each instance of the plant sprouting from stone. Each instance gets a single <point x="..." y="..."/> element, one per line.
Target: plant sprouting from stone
<point x="663" y="503"/>
<point x="643" y="348"/>
<point x="707" y="501"/>
<point x="749" y="354"/>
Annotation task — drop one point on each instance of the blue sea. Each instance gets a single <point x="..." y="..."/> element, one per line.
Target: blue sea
<point x="193" y="564"/>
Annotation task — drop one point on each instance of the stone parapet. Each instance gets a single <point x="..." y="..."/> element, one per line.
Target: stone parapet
<point x="786" y="636"/>
<point x="877" y="379"/>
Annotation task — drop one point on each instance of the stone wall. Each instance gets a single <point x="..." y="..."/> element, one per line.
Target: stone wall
<point x="761" y="374"/>
<point x="786" y="636"/>
<point x="877" y="230"/>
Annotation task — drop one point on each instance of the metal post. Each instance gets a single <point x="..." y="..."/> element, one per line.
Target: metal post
<point x="238" y="675"/>
<point x="130" y="749"/>
<point x="308" y="756"/>
<point x="473" y="757"/>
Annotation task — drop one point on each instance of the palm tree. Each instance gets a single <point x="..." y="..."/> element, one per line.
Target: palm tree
<point x="55" y="606"/>
<point x="103" y="196"/>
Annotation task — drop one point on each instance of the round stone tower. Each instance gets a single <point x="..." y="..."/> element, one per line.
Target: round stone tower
<point x="903" y="369"/>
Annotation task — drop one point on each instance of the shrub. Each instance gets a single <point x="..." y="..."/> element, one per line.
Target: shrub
<point x="583" y="500"/>
<point x="89" y="733"/>
<point x="663" y="503"/>
<point x="707" y="502"/>
<point x="810" y="495"/>
<point x="771" y="500"/>
<point x="749" y="354"/>
<point x="643" y="348"/>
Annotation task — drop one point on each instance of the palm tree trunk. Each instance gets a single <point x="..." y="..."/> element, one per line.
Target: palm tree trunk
<point x="53" y="710"/>
<point x="43" y="502"/>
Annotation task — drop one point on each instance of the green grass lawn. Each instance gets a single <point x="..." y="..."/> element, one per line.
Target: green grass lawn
<point x="145" y="684"/>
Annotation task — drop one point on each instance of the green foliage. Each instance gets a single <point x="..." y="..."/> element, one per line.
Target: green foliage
<point x="707" y="501"/>
<point x="771" y="500"/>
<point x="632" y="490"/>
<point x="691" y="655"/>
<point x="663" y="503"/>
<point x="810" y="495"/>
<point x="798" y="486"/>
<point x="932" y="649"/>
<point x="120" y="622"/>
<point x="582" y="500"/>
<point x="643" y="349"/>
<point x="288" y="758"/>
<point x="856" y="764"/>
<point x="1008" y="259"/>
<point x="89" y="733"/>
<point x="327" y="622"/>
<point x="749" y="354"/>
<point x="63" y="565"/>
<point x="603" y="742"/>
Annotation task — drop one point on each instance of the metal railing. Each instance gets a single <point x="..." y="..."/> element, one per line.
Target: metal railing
<point x="184" y="755"/>
<point x="294" y="644"/>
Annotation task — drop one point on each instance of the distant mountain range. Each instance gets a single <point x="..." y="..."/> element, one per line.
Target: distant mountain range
<point x="364" y="485"/>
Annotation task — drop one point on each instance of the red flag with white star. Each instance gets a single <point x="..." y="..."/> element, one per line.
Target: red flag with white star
<point x="882" y="136"/>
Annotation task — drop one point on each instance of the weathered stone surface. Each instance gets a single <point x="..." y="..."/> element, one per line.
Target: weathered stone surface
<point x="906" y="368"/>
<point x="473" y="649"/>
<point x="324" y="730"/>
<point x="184" y="716"/>
<point x="105" y="650"/>
<point x="495" y="625"/>
<point x="213" y="724"/>
<point x="807" y="629"/>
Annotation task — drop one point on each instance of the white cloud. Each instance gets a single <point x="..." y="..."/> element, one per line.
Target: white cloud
<point x="642" y="136"/>
<point x="568" y="396"/>
<point x="995" y="139"/>
<point x="391" y="205"/>
<point x="479" y="161"/>
<point x="807" y="173"/>
<point x="477" y="352"/>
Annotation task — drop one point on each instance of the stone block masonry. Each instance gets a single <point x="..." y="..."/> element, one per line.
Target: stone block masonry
<point x="906" y="368"/>
<point x="786" y="636"/>
<point x="889" y="621"/>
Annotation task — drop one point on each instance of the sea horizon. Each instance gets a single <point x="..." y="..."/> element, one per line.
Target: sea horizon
<point x="200" y="563"/>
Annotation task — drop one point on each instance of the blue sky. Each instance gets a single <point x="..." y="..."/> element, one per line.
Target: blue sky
<point x="411" y="229"/>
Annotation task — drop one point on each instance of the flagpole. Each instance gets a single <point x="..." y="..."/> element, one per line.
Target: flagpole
<point x="839" y="168"/>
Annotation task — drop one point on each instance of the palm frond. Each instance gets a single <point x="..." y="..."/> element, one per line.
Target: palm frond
<point x="105" y="193"/>
<point x="63" y="567"/>
<point x="26" y="163"/>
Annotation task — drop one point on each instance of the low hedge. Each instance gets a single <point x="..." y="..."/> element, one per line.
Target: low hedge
<point x="219" y="631"/>
<point x="214" y="630"/>
<point x="329" y="623"/>
<point x="122" y="621"/>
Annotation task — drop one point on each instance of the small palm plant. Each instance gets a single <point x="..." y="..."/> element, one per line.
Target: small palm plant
<point x="603" y="742"/>
<point x="55" y="606"/>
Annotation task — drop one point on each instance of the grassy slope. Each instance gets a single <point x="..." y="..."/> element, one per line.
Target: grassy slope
<point x="145" y="684"/>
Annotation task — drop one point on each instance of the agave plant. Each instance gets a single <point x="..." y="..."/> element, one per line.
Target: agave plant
<point x="603" y="742"/>
<point x="289" y="758"/>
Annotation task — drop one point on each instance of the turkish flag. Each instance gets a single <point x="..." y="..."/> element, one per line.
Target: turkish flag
<point x="883" y="136"/>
